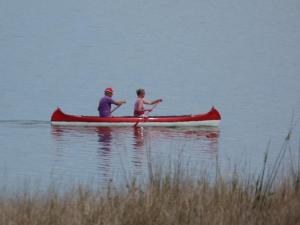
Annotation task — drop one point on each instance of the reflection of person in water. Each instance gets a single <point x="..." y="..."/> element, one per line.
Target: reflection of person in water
<point x="104" y="152"/>
<point x="138" y="146"/>
<point x="105" y="138"/>
<point x="138" y="135"/>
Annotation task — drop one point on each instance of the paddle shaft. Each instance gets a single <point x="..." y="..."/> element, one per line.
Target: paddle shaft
<point x="115" y="109"/>
<point x="151" y="108"/>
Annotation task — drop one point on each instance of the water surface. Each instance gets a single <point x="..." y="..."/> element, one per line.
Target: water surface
<point x="240" y="56"/>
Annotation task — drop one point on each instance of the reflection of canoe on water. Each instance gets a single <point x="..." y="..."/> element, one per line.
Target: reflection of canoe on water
<point x="211" y="118"/>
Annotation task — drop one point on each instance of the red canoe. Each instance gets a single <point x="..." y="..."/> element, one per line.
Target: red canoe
<point x="211" y="118"/>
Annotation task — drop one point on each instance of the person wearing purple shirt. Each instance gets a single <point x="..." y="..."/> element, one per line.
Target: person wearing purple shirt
<point x="104" y="107"/>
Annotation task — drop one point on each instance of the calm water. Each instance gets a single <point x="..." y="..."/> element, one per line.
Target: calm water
<point x="240" y="56"/>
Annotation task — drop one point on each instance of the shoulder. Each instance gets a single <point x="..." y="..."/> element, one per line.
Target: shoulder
<point x="139" y="100"/>
<point x="106" y="99"/>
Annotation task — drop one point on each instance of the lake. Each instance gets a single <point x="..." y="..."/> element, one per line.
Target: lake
<point x="241" y="57"/>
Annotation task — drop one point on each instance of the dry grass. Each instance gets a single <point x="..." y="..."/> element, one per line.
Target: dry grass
<point x="164" y="200"/>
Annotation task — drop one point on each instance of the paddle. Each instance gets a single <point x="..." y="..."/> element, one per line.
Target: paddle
<point x="146" y="114"/>
<point x="115" y="108"/>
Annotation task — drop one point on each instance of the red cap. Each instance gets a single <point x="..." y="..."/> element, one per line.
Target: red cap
<point x="110" y="90"/>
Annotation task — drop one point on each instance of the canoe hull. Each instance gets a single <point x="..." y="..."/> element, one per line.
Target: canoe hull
<point x="212" y="123"/>
<point x="212" y="118"/>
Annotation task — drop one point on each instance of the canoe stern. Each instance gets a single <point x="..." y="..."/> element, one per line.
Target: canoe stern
<point x="214" y="114"/>
<point x="57" y="115"/>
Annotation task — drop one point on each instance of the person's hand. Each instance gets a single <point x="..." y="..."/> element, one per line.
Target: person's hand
<point x="121" y="102"/>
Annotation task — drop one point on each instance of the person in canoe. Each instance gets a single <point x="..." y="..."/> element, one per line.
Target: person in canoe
<point x="139" y="110"/>
<point x="105" y="103"/>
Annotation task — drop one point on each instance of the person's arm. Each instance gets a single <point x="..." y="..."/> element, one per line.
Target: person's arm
<point x="151" y="103"/>
<point x="156" y="101"/>
<point x="118" y="103"/>
<point x="146" y="102"/>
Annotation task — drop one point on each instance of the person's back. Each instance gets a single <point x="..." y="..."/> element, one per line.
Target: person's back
<point x="139" y="109"/>
<point x="104" y="106"/>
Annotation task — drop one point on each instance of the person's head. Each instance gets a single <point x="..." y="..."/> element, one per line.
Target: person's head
<point x="108" y="92"/>
<point x="140" y="93"/>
